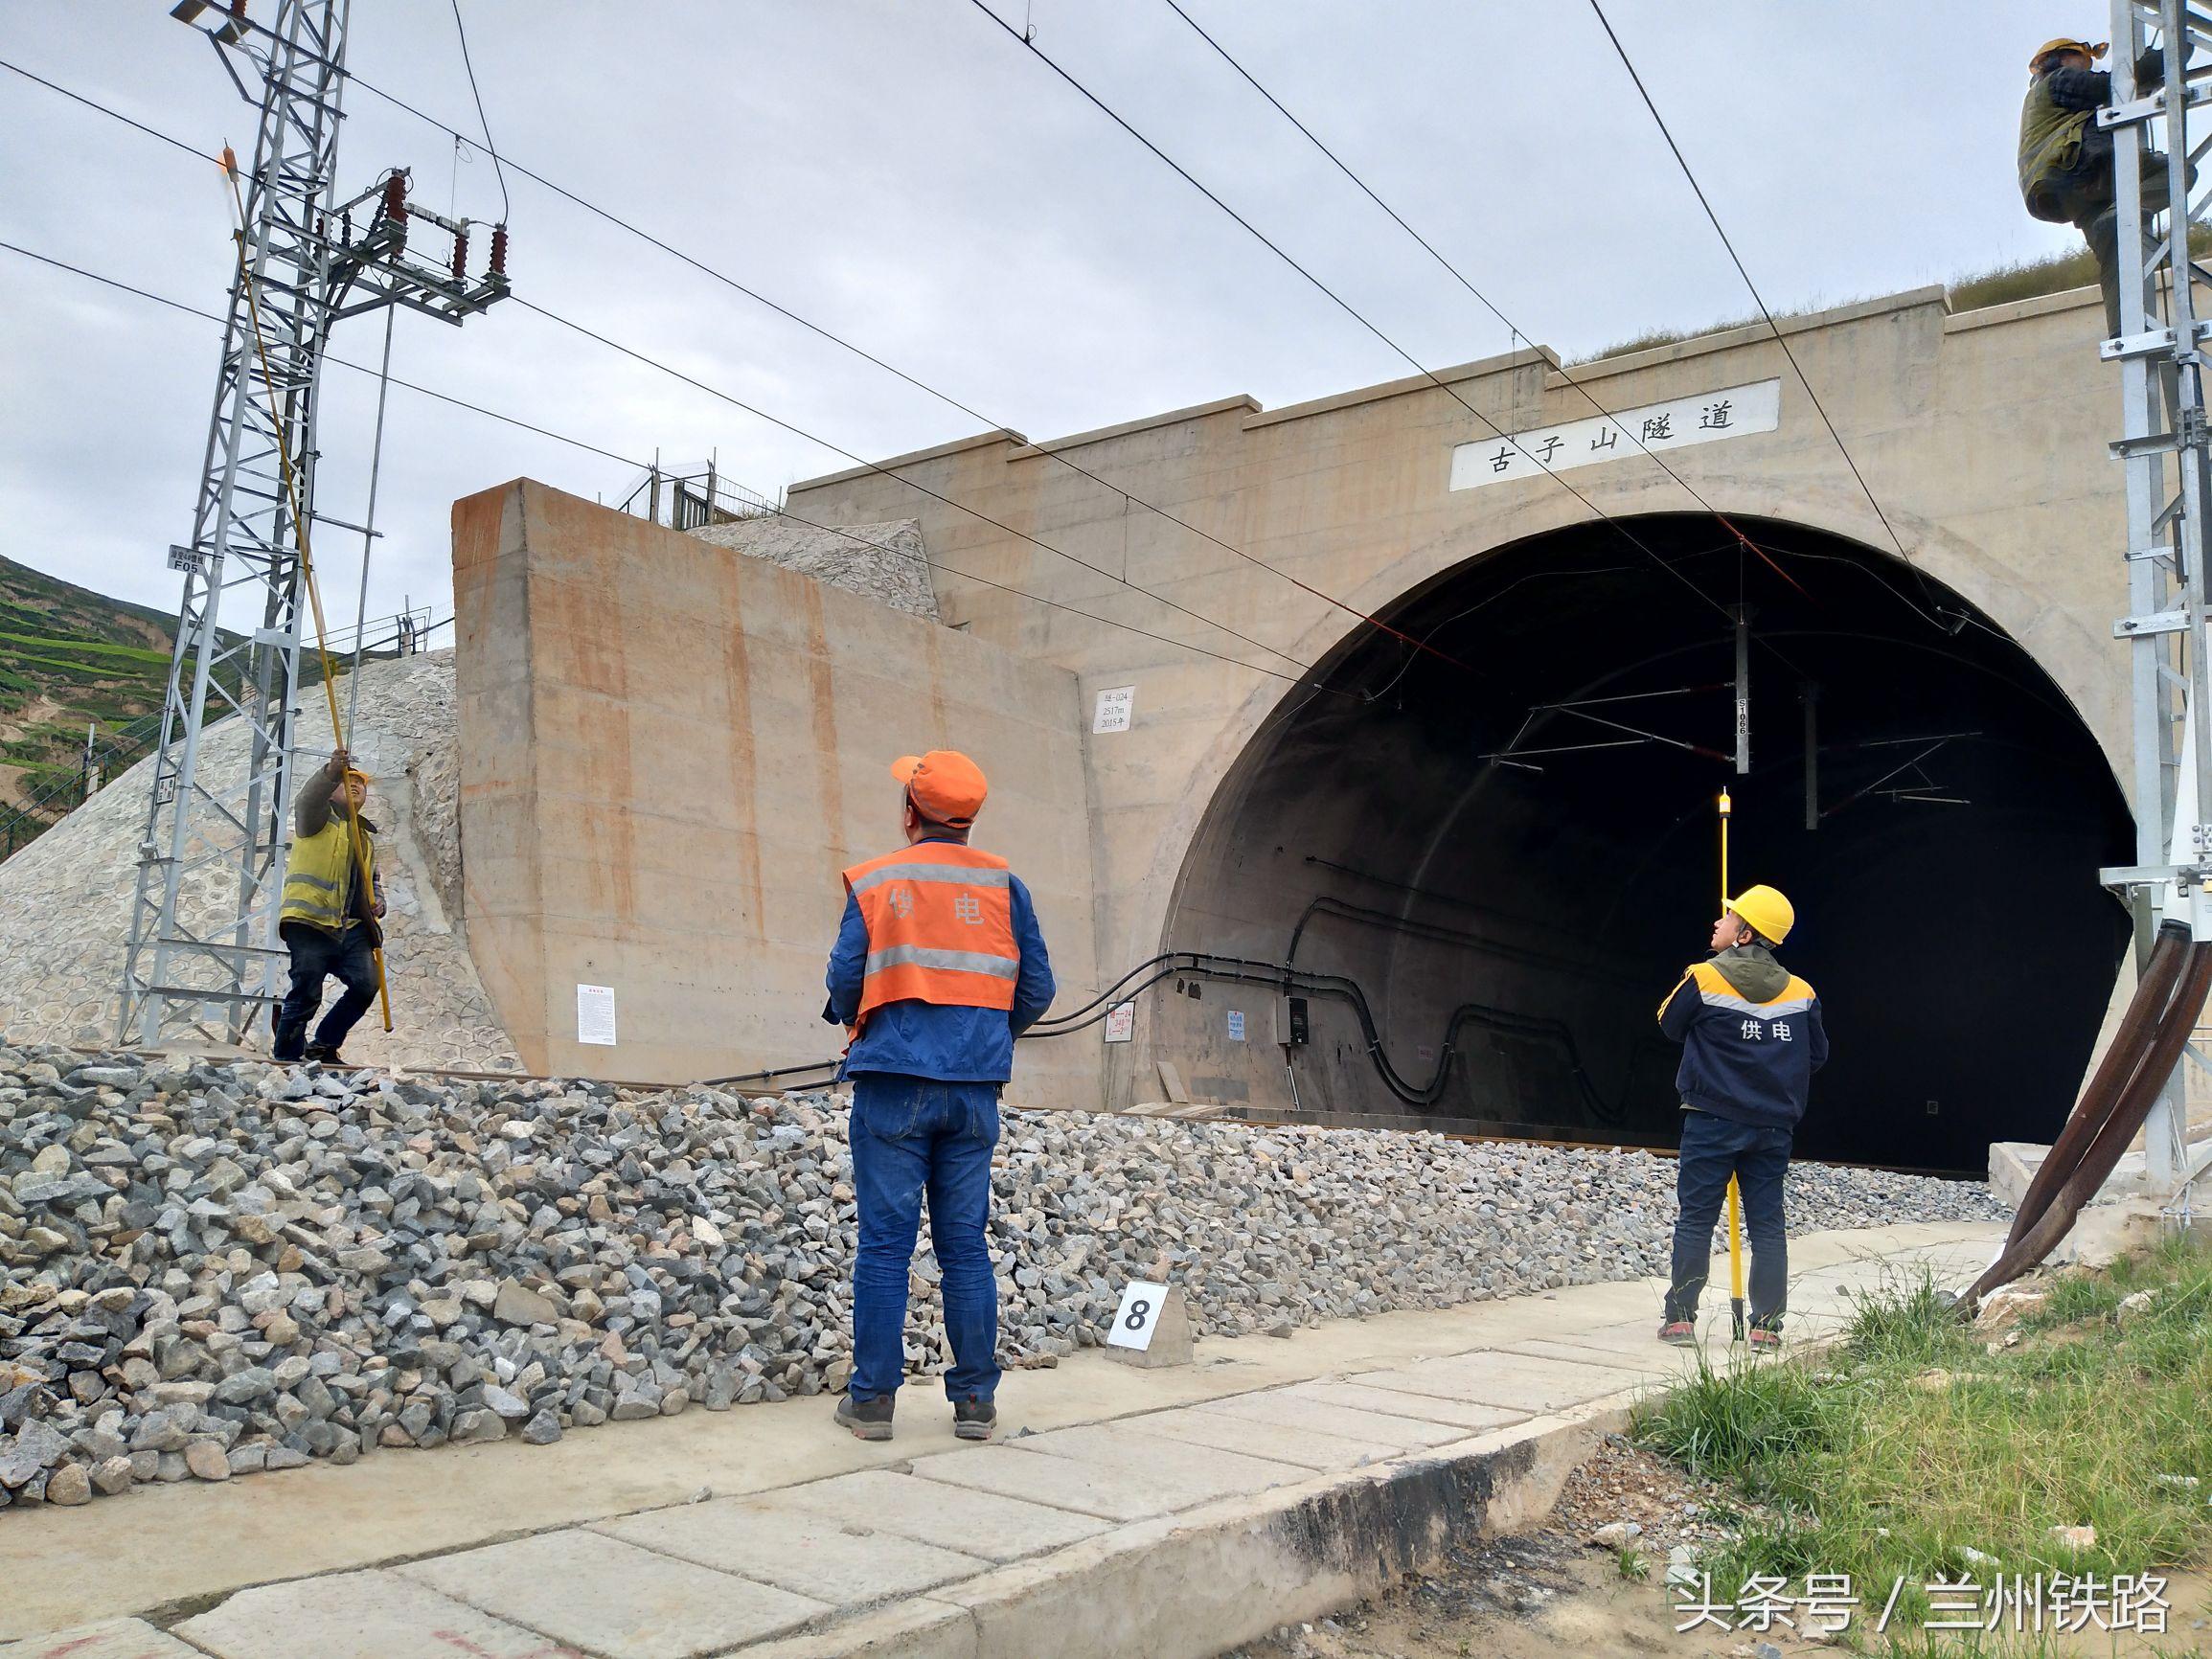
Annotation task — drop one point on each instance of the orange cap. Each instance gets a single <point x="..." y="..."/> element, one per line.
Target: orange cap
<point x="944" y="784"/>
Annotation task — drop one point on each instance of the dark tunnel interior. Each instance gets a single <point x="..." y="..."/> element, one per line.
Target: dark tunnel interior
<point x="1514" y="883"/>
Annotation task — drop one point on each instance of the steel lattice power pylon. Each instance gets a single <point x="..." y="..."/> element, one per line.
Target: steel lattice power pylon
<point x="2159" y="127"/>
<point x="203" y="951"/>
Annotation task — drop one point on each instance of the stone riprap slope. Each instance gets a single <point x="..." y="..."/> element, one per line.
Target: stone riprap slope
<point x="215" y="1268"/>
<point x="65" y="901"/>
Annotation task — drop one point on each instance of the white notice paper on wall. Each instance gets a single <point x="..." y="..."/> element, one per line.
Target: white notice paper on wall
<point x="1236" y="1025"/>
<point x="1115" y="708"/>
<point x="594" y="1014"/>
<point x="1120" y="1022"/>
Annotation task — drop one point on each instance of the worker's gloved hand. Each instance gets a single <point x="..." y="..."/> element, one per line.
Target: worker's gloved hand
<point x="340" y="760"/>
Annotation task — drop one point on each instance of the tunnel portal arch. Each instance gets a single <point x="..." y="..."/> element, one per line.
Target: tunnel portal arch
<point x="1513" y="905"/>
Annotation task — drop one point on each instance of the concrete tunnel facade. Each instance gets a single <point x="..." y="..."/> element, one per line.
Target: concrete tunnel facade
<point x="1352" y="805"/>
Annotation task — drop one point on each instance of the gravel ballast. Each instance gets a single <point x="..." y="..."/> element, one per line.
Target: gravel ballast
<point x="219" y="1268"/>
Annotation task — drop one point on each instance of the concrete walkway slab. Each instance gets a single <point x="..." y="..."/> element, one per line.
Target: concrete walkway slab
<point x="1290" y="1409"/>
<point x="359" y="1615"/>
<point x="116" y="1639"/>
<point x="1209" y="1472"/>
<point x="611" y="1597"/>
<point x="795" y="1550"/>
<point x="1116" y="1492"/>
<point x="981" y="1524"/>
<point x="1465" y="1414"/>
<point x="1494" y="1376"/>
<point x="1196" y="1426"/>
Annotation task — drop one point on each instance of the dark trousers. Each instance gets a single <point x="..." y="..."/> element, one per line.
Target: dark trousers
<point x="2086" y="199"/>
<point x="314" y="955"/>
<point x="1713" y="1149"/>
<point x="911" y="1137"/>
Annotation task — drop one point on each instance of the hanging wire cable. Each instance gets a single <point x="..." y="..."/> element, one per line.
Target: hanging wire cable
<point x="867" y="357"/>
<point x="880" y="470"/>
<point x="1934" y="618"/>
<point x="461" y="28"/>
<point x="784" y="513"/>
<point x="1752" y="288"/>
<point x="1346" y="307"/>
<point x="1301" y="664"/>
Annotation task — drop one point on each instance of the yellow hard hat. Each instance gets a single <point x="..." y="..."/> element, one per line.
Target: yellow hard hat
<point x="1765" y="911"/>
<point x="2092" y="49"/>
<point x="355" y="775"/>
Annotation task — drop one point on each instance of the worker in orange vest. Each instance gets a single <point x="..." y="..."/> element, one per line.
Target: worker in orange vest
<point x="939" y="966"/>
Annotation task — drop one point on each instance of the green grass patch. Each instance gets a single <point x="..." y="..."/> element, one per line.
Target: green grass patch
<point x="90" y="648"/>
<point x="1910" y="1451"/>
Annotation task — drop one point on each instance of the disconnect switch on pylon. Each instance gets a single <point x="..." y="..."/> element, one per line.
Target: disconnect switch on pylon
<point x="1291" y="1028"/>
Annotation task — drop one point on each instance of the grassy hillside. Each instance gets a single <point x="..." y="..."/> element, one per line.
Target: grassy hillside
<point x="69" y="657"/>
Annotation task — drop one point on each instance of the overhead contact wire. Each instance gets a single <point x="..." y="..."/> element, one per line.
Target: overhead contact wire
<point x="1305" y="669"/>
<point x="1774" y="328"/>
<point x="1343" y="305"/>
<point x="631" y="461"/>
<point x="1460" y="277"/>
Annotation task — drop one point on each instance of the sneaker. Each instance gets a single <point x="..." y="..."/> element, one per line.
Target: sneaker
<point x="1765" y="1340"/>
<point x="974" y="1418"/>
<point x="867" y="1419"/>
<point x="1678" y="1334"/>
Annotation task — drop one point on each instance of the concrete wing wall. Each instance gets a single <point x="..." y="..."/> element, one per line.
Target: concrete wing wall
<point x="669" y="751"/>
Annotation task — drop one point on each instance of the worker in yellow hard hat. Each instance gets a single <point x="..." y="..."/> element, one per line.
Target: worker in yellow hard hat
<point x="2066" y="160"/>
<point x="1751" y="1038"/>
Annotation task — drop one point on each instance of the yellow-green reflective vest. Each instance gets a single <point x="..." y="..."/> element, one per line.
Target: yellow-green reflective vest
<point x="319" y="878"/>
<point x="2050" y="138"/>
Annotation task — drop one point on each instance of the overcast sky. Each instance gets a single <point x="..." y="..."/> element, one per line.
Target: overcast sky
<point x="905" y="174"/>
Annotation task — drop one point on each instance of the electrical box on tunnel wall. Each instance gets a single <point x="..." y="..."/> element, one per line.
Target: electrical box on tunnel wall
<point x="1291" y="1030"/>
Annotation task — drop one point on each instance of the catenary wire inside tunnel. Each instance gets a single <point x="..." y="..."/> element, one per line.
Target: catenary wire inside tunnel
<point x="1515" y="866"/>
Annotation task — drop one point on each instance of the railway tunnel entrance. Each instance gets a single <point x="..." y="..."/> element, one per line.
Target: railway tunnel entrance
<point x="1511" y="857"/>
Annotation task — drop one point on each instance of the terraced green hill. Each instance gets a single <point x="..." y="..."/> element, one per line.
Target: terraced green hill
<point x="69" y="658"/>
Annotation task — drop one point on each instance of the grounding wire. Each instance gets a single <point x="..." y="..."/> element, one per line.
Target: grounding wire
<point x="1757" y="299"/>
<point x="506" y="208"/>
<point x="629" y="461"/>
<point x="1348" y="308"/>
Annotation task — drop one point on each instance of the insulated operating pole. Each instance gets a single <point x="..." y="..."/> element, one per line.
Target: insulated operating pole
<point x="203" y="954"/>
<point x="2164" y="447"/>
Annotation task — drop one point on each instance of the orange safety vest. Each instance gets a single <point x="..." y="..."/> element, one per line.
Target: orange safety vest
<point x="939" y="918"/>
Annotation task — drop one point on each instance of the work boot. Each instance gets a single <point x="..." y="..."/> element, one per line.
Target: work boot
<point x="324" y="1054"/>
<point x="1678" y="1334"/>
<point x="867" y="1419"/>
<point x="974" y="1418"/>
<point x="1766" y="1339"/>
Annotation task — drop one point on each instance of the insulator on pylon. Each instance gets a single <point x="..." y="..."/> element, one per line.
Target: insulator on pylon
<point x="498" y="250"/>
<point x="395" y="197"/>
<point x="238" y="8"/>
<point x="460" y="255"/>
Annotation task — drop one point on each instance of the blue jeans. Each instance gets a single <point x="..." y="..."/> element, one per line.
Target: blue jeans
<point x="911" y="1136"/>
<point x="314" y="955"/>
<point x="1713" y="1149"/>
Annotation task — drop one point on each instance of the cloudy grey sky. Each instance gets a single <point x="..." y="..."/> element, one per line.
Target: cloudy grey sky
<point x="904" y="173"/>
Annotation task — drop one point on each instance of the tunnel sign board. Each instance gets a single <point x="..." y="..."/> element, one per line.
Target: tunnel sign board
<point x="1708" y="418"/>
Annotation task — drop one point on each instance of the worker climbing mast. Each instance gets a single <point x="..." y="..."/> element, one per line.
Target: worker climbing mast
<point x="203" y="952"/>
